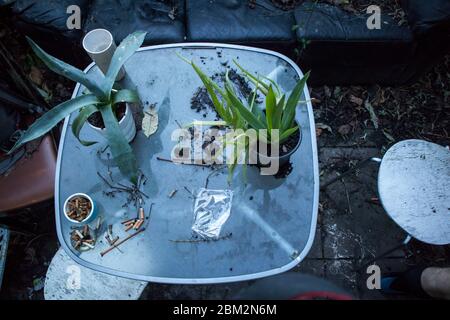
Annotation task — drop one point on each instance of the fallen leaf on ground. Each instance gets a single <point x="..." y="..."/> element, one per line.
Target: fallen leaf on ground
<point x="356" y="100"/>
<point x="150" y="122"/>
<point x="344" y="129"/>
<point x="322" y="126"/>
<point x="36" y="75"/>
<point x="373" y="116"/>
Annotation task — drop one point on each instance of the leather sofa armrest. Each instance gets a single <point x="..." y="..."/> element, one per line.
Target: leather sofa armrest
<point x="427" y="16"/>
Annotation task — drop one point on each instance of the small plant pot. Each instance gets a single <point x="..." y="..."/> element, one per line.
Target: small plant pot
<point x="126" y="124"/>
<point x="92" y="214"/>
<point x="263" y="159"/>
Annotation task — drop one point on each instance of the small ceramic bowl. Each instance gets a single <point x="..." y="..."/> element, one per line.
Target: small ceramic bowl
<point x="90" y="217"/>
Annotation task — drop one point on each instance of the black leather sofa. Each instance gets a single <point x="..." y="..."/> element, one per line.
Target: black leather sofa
<point x="339" y="48"/>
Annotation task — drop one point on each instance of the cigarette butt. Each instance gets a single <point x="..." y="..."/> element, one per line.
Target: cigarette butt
<point x="138" y="224"/>
<point x="172" y="193"/>
<point x="88" y="245"/>
<point x="129" y="220"/>
<point x="129" y="227"/>
<point x="79" y="234"/>
<point x="132" y="222"/>
<point x="85" y="230"/>
<point x="141" y="214"/>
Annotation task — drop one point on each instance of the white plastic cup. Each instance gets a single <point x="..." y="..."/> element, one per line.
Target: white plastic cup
<point x="100" y="46"/>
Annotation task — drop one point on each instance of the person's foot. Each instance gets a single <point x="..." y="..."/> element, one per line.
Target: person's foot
<point x="408" y="282"/>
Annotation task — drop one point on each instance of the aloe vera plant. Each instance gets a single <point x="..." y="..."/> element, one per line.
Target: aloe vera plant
<point x="102" y="98"/>
<point x="280" y="112"/>
<point x="223" y="99"/>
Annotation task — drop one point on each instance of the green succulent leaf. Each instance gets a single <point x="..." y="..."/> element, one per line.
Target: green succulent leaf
<point x="262" y="86"/>
<point x="68" y="71"/>
<point x="125" y="95"/>
<point x="248" y="116"/>
<point x="124" y="51"/>
<point x="79" y="122"/>
<point x="291" y="104"/>
<point x="277" y="115"/>
<point x="50" y="119"/>
<point x="271" y="104"/>
<point x="120" y="149"/>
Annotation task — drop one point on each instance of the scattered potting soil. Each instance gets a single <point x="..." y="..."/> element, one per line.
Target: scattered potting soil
<point x="201" y="101"/>
<point x="96" y="118"/>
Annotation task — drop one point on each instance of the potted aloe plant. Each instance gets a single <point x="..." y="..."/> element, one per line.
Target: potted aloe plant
<point x="278" y="118"/>
<point x="102" y="102"/>
<point x="275" y="126"/>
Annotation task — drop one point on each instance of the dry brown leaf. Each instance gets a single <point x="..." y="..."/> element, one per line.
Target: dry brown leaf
<point x="345" y="129"/>
<point x="36" y="75"/>
<point x="150" y="122"/>
<point x="356" y="100"/>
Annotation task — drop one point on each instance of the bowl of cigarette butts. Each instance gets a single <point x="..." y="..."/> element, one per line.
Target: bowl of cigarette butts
<point x="79" y="208"/>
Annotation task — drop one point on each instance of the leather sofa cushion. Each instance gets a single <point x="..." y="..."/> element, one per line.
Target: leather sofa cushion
<point x="234" y="21"/>
<point x="340" y="49"/>
<point x="51" y="14"/>
<point x="327" y="22"/>
<point x="45" y="22"/>
<point x="122" y="17"/>
<point x="424" y="16"/>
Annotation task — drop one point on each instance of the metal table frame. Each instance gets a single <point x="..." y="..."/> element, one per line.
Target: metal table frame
<point x="246" y="277"/>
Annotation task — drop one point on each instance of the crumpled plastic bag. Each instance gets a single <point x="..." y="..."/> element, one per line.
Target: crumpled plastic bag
<point x="211" y="210"/>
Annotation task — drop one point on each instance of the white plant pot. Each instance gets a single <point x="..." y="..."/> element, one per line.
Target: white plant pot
<point x="126" y="124"/>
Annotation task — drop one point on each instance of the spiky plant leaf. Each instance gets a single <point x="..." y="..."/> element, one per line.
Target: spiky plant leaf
<point x="125" y="95"/>
<point x="291" y="104"/>
<point x="278" y="113"/>
<point x="120" y="149"/>
<point x="246" y="114"/>
<point x="271" y="104"/>
<point x="68" y="71"/>
<point x="51" y="118"/>
<point x="124" y="51"/>
<point x="79" y="122"/>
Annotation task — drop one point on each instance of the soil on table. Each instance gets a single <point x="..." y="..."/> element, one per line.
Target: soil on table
<point x="201" y="101"/>
<point x="97" y="121"/>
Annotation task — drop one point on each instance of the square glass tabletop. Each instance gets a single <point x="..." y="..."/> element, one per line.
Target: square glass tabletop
<point x="273" y="220"/>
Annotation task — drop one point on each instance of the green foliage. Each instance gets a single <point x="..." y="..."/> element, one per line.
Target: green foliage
<point x="102" y="99"/>
<point x="280" y="113"/>
<point x="236" y="114"/>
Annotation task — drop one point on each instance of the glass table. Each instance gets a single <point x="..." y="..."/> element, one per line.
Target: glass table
<point x="273" y="220"/>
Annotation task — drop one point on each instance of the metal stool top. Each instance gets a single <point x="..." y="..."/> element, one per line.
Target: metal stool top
<point x="414" y="184"/>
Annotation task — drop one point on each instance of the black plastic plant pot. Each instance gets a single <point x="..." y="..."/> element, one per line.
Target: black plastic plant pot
<point x="263" y="160"/>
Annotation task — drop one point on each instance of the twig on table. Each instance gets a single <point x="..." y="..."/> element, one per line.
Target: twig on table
<point x="118" y="243"/>
<point x="190" y="192"/>
<point x="184" y="163"/>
